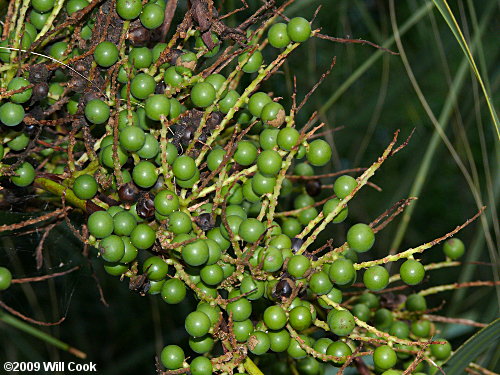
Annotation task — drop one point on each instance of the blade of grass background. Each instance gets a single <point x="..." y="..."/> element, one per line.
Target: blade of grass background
<point x="414" y="19"/>
<point x="492" y="182"/>
<point x="448" y="16"/>
<point x="35" y="332"/>
<point x="440" y="126"/>
<point x="472" y="348"/>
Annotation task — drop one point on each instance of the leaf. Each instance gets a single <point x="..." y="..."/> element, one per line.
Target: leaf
<point x="448" y="16"/>
<point x="472" y="348"/>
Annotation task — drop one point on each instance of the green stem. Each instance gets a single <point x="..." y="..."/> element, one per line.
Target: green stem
<point x="251" y="367"/>
<point x="58" y="189"/>
<point x="16" y="323"/>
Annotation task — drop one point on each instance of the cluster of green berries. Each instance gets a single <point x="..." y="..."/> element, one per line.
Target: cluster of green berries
<point x="175" y="199"/>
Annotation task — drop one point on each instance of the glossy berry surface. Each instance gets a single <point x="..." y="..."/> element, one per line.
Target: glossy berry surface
<point x="100" y="224"/>
<point x="106" y="54"/>
<point x="298" y="265"/>
<point x="342" y="272"/>
<point x="143" y="236"/>
<point x="278" y="35"/>
<point x="173" y="291"/>
<point x="85" y="186"/>
<point x="128" y="9"/>
<point x="341" y="322"/>
<point x="299" y="29"/>
<point x="454" y="248"/>
<point x="344" y="185"/>
<point x="172" y="357"/>
<point x="97" y="112"/>
<point x="384" y="357"/>
<point x="5" y="278"/>
<point x="360" y="237"/>
<point x="197" y="324"/>
<point x="11" y="114"/>
<point x="274" y="317"/>
<point x="152" y="16"/>
<point x="203" y="94"/>
<point x="376" y="278"/>
<point x="412" y="272"/>
<point x="24" y="175"/>
<point x="319" y="152"/>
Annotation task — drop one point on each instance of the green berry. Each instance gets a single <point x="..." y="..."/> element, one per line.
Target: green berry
<point x="143" y="236"/>
<point x="85" y="186"/>
<point x="339" y="349"/>
<point x="5" y="278"/>
<point x="300" y="318"/>
<point x="173" y="291"/>
<point x="128" y="9"/>
<point x="278" y="35"/>
<point x="155" y="267"/>
<point x="360" y="237"/>
<point x="142" y="85"/>
<point x="201" y="366"/>
<point x="203" y="94"/>
<point x="454" y="248"/>
<point x="124" y="223"/>
<point x="100" y="224"/>
<point x="280" y="340"/>
<point x="246" y="153"/>
<point x="299" y="29"/>
<point x="197" y="324"/>
<point x="112" y="248"/>
<point x="152" y="16"/>
<point x="275" y="318"/>
<point x="319" y="153"/>
<point x="253" y="63"/>
<point x="140" y="57"/>
<point x="441" y="351"/>
<point x="341" y="322"/>
<point x="172" y="356"/>
<point x="144" y="174"/>
<point x="132" y="138"/>
<point x="251" y="229"/>
<point x="320" y="283"/>
<point x="298" y="265"/>
<point x="412" y="272"/>
<point x="184" y="167"/>
<point x="269" y="162"/>
<point x="257" y="103"/>
<point x="415" y="302"/>
<point x="384" y="357"/>
<point x="342" y="272"/>
<point x="376" y="278"/>
<point x="42" y="6"/>
<point x="11" y="114"/>
<point x="16" y="84"/>
<point x="106" y="54"/>
<point x="96" y="111"/>
<point x="157" y="106"/>
<point x="287" y="138"/>
<point x="195" y="253"/>
<point x="344" y="185"/>
<point x="179" y="222"/>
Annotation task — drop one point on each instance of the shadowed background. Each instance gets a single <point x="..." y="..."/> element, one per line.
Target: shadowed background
<point x="368" y="96"/>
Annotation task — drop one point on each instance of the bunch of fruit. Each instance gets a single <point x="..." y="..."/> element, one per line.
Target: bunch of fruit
<point x="197" y="183"/>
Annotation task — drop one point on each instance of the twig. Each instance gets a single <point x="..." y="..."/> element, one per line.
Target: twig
<point x="354" y="41"/>
<point x="44" y="277"/>
<point x="28" y="319"/>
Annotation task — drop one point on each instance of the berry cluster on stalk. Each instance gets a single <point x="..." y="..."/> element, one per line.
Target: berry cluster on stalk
<point x="198" y="183"/>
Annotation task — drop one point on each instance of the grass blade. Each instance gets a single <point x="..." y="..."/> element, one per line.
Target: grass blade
<point x="448" y="16"/>
<point x="472" y="348"/>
